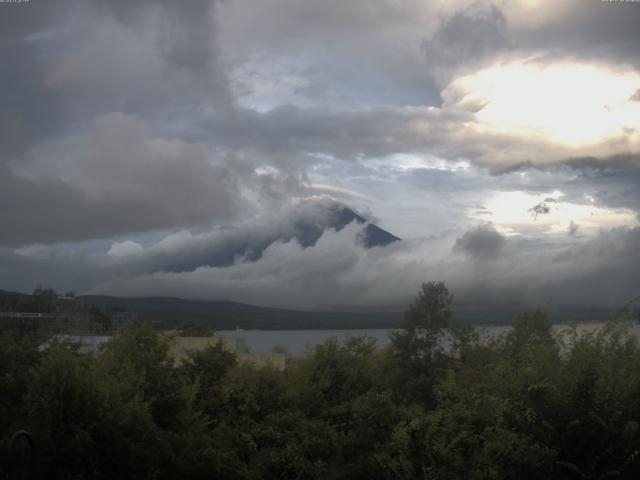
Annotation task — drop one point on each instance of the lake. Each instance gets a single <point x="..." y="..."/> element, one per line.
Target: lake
<point x="299" y="342"/>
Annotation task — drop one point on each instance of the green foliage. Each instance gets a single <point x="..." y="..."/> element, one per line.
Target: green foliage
<point x="432" y="309"/>
<point x="193" y="329"/>
<point x="139" y="359"/>
<point x="206" y="370"/>
<point x="83" y="425"/>
<point x="417" y="344"/>
<point x="438" y="403"/>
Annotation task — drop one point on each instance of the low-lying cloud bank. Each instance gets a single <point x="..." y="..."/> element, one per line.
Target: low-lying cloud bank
<point x="479" y="266"/>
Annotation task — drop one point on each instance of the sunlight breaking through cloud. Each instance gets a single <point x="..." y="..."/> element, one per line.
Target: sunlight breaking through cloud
<point x="518" y="212"/>
<point x="574" y="104"/>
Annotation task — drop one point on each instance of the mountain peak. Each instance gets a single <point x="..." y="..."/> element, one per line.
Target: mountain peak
<point x="306" y="224"/>
<point x="338" y="216"/>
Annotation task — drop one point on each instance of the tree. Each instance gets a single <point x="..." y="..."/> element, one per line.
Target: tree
<point x="431" y="311"/>
<point x="207" y="368"/>
<point x="139" y="358"/>
<point x="416" y="343"/>
<point x="531" y="328"/>
<point x="43" y="300"/>
<point x="193" y="329"/>
<point x="83" y="426"/>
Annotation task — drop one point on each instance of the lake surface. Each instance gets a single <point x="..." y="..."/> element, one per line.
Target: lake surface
<point x="299" y="342"/>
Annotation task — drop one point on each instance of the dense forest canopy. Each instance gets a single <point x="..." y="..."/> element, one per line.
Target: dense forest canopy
<point x="531" y="404"/>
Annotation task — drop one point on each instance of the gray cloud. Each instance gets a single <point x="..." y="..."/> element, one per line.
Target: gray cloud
<point x="599" y="271"/>
<point x="612" y="185"/>
<point x="120" y="118"/>
<point x="181" y="251"/>
<point x="359" y="52"/>
<point x="479" y="265"/>
<point x="63" y="64"/>
<point x="590" y="30"/>
<point x="483" y="241"/>
<point x="63" y="270"/>
<point x="465" y="40"/>
<point x="113" y="181"/>
<point x="573" y="228"/>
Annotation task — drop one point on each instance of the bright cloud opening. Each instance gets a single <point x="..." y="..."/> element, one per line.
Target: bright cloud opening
<point x="515" y="212"/>
<point x="567" y="103"/>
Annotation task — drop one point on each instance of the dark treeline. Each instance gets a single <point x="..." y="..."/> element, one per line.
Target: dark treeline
<point x="63" y="314"/>
<point x="529" y="405"/>
<point x="168" y="312"/>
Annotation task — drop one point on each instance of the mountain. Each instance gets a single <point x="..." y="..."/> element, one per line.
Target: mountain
<point x="372" y="236"/>
<point x="306" y="226"/>
<point x="338" y="216"/>
<point x="6" y="293"/>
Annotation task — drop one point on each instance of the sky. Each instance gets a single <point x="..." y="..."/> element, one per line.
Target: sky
<point x="499" y="139"/>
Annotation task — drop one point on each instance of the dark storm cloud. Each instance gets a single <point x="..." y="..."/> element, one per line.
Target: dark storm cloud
<point x="362" y="51"/>
<point x="347" y="135"/>
<point x="466" y="39"/>
<point x="64" y="62"/>
<point x="23" y="273"/>
<point x="483" y="241"/>
<point x="620" y="162"/>
<point x="71" y="169"/>
<point x="185" y="37"/>
<point x="52" y="210"/>
<point x="120" y="117"/>
<point x="115" y="180"/>
<point x="163" y="57"/>
<point x="591" y="29"/>
<point x="26" y="111"/>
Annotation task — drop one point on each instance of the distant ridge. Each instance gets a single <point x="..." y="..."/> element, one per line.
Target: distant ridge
<point x="6" y="293"/>
<point x="170" y="312"/>
<point x="227" y="315"/>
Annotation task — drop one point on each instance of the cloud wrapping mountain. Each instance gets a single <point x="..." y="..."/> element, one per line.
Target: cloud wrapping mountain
<point x="338" y="272"/>
<point x="178" y="146"/>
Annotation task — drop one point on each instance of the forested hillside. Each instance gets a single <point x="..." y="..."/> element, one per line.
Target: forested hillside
<point x="530" y="405"/>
